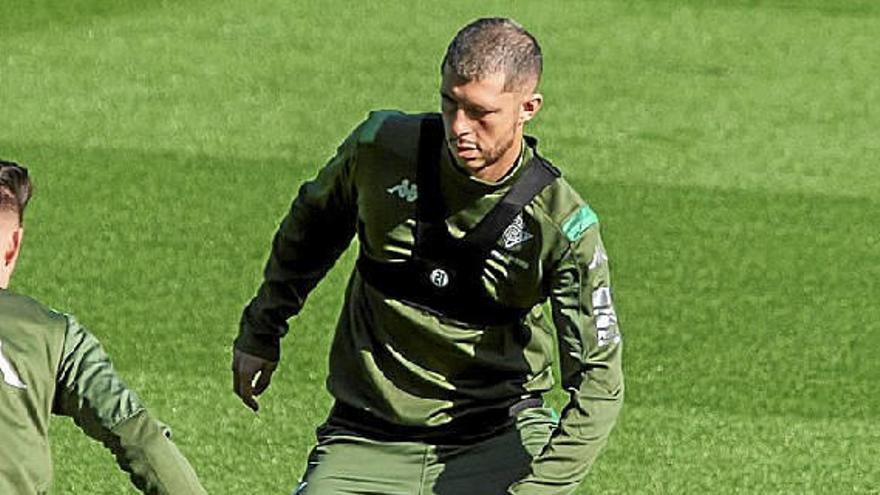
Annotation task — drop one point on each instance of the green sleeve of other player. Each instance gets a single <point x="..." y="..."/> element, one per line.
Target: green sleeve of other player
<point x="590" y="349"/>
<point x="89" y="391"/>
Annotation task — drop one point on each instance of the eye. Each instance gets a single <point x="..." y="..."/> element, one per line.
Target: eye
<point x="477" y="113"/>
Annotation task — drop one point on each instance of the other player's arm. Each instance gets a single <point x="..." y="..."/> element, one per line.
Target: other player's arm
<point x="89" y="391"/>
<point x="590" y="350"/>
<point x="316" y="230"/>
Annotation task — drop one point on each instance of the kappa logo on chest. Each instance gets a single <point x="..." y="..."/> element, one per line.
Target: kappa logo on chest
<point x="405" y="190"/>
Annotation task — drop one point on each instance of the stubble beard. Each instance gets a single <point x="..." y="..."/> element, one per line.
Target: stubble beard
<point x="489" y="156"/>
<point x="492" y="155"/>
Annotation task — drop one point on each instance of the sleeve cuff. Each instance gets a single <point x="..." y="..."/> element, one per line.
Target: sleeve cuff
<point x="264" y="346"/>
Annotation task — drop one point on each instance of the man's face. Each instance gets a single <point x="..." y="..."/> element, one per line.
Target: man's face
<point x="484" y="121"/>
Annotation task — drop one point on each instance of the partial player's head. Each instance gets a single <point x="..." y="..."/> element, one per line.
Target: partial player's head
<point x="495" y="46"/>
<point x="15" y="192"/>
<point x="490" y="75"/>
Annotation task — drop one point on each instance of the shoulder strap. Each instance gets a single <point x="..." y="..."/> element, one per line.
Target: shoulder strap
<point x="537" y="175"/>
<point x="430" y="209"/>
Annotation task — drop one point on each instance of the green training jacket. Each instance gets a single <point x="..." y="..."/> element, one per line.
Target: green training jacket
<point x="410" y="367"/>
<point x="49" y="364"/>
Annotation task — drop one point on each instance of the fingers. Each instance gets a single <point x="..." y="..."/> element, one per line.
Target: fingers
<point x="242" y="380"/>
<point x="264" y="378"/>
<point x="245" y="368"/>
<point x="247" y="393"/>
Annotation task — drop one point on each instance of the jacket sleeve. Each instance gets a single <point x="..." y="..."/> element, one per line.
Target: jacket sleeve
<point x="590" y="349"/>
<point x="316" y="231"/>
<point x="89" y="391"/>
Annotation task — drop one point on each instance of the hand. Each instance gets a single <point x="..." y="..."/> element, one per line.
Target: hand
<point x="244" y="369"/>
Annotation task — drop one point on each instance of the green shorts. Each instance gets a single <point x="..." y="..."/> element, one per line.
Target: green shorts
<point x="347" y="463"/>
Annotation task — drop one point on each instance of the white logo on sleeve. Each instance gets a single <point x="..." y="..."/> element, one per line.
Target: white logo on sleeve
<point x="406" y="190"/>
<point x="10" y="376"/>
<point x="606" y="317"/>
<point x="599" y="257"/>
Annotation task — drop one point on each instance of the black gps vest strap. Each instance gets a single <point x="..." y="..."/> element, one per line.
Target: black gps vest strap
<point x="537" y="175"/>
<point x="444" y="274"/>
<point x="430" y="209"/>
<point x="431" y="212"/>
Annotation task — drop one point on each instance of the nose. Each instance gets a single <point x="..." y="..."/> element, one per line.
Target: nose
<point x="459" y="123"/>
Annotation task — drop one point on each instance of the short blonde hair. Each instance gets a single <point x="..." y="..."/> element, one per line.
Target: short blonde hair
<point x="493" y="45"/>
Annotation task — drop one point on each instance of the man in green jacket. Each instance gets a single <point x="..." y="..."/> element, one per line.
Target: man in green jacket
<point x="50" y="364"/>
<point x="442" y="351"/>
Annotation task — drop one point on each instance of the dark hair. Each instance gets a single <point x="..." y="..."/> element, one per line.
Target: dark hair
<point x="495" y="45"/>
<point x="15" y="188"/>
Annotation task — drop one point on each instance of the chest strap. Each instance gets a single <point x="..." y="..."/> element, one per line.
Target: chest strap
<point x="444" y="275"/>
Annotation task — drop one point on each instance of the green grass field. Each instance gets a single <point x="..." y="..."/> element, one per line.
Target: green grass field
<point x="731" y="149"/>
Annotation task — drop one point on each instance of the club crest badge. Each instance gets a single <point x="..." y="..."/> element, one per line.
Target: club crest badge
<point x="515" y="234"/>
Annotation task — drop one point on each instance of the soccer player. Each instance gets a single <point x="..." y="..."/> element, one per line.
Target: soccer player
<point x="442" y="350"/>
<point x="50" y="364"/>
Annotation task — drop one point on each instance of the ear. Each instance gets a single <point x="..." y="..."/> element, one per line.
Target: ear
<point x="12" y="247"/>
<point x="11" y="234"/>
<point x="530" y="106"/>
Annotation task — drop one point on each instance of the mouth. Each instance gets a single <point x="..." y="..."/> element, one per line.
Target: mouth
<point x="467" y="151"/>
